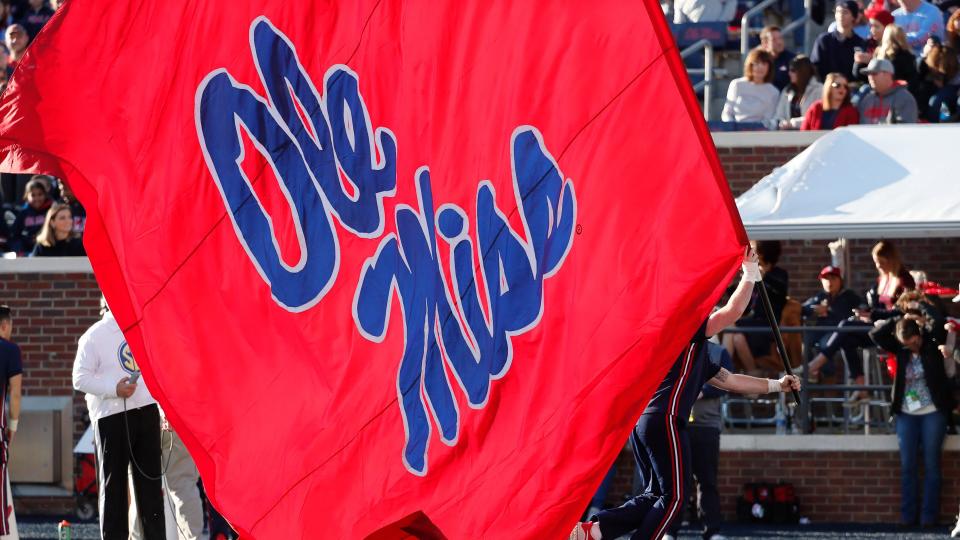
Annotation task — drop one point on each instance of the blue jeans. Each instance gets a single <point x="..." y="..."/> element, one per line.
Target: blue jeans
<point x="913" y="432"/>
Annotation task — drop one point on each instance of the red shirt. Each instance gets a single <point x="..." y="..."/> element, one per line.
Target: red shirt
<point x="847" y="115"/>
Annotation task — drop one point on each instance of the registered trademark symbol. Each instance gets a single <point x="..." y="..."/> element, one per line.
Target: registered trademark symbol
<point x="579" y="229"/>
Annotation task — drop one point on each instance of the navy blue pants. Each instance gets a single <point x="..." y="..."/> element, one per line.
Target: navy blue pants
<point x="848" y="343"/>
<point x="658" y="447"/>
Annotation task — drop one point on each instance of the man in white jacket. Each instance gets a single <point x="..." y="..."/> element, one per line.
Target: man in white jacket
<point x="126" y="421"/>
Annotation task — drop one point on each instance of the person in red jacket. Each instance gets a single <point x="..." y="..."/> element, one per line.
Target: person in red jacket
<point x="834" y="109"/>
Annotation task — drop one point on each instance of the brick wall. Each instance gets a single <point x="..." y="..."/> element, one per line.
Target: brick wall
<point x="51" y="311"/>
<point x="832" y="486"/>
<point x="860" y="487"/>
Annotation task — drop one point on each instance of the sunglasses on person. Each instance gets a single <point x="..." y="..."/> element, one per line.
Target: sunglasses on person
<point x="838" y="85"/>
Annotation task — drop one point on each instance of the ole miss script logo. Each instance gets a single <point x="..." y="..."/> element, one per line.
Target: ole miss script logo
<point x="311" y="137"/>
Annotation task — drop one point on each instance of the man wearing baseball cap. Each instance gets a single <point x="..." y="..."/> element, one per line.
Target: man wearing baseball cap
<point x="828" y="308"/>
<point x="889" y="101"/>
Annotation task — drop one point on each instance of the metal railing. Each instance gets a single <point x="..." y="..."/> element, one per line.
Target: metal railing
<point x="707" y="83"/>
<point x="803" y="416"/>
<point x="746" y="30"/>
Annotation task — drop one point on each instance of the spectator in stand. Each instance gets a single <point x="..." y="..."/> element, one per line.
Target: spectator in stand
<point x="17" y="39"/>
<point x="953" y="31"/>
<point x="752" y="98"/>
<point x="797" y="98"/>
<point x="888" y="102"/>
<point x="696" y="11"/>
<point x="938" y="83"/>
<point x="747" y="347"/>
<point x="892" y="281"/>
<point x="6" y="13"/>
<point x="861" y="26"/>
<point x="834" y="109"/>
<point x="830" y="307"/>
<point x="771" y="40"/>
<point x="919" y="20"/>
<point x="57" y="238"/>
<point x="79" y="214"/>
<point x="31" y="217"/>
<point x="36" y="16"/>
<point x="922" y="404"/>
<point x="893" y="47"/>
<point x="879" y="20"/>
<point x="833" y="51"/>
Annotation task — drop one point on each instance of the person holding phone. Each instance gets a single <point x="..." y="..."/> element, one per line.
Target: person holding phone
<point x="126" y="427"/>
<point x="893" y="280"/>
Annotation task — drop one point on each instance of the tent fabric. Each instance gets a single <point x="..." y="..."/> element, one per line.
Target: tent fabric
<point x="387" y="266"/>
<point x="861" y="182"/>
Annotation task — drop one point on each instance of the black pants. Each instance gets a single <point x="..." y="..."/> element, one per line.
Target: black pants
<point x="113" y="451"/>
<point x="658" y="446"/>
<point x="704" y="459"/>
<point x="847" y="344"/>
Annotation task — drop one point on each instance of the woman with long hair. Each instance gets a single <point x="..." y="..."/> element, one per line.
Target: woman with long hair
<point x="893" y="279"/>
<point x="752" y="98"/>
<point x="938" y="82"/>
<point x="798" y="96"/>
<point x="952" y="31"/>
<point x="922" y="404"/>
<point x="56" y="238"/>
<point x="834" y="108"/>
<point x="893" y="47"/>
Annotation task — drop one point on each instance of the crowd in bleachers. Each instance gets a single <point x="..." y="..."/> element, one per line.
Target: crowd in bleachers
<point x="878" y="62"/>
<point x="47" y="222"/>
<point x="40" y="217"/>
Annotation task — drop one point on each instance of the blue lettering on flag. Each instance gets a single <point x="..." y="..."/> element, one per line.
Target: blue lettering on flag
<point x="310" y="141"/>
<point x="307" y="155"/>
<point x="512" y="267"/>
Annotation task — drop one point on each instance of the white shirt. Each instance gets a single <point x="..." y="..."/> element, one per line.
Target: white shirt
<point x="103" y="358"/>
<point x="698" y="11"/>
<point x="749" y="102"/>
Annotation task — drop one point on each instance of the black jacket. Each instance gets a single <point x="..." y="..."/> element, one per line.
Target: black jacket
<point x="71" y="247"/>
<point x="878" y="311"/>
<point x="839" y="308"/>
<point x="904" y="68"/>
<point x="777" y="282"/>
<point x="933" y="370"/>
<point x="832" y="53"/>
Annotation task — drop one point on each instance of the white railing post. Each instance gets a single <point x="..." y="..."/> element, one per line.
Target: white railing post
<point x="708" y="79"/>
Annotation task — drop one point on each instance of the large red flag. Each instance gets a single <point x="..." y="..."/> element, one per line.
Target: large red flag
<point x="386" y="262"/>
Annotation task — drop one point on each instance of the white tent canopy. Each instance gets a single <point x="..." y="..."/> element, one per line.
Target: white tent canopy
<point x="862" y="182"/>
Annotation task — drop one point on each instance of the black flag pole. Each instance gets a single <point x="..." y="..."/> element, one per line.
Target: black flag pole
<point x="768" y="309"/>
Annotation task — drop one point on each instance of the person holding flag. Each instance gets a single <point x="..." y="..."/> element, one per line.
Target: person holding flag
<point x="660" y="436"/>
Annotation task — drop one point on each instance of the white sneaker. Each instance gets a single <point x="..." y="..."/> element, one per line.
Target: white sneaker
<point x="956" y="530"/>
<point x="581" y="531"/>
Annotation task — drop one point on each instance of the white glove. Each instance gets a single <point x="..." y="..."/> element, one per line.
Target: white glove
<point x="751" y="271"/>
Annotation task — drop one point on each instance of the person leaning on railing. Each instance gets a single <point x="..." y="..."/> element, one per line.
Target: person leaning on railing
<point x="922" y="404"/>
